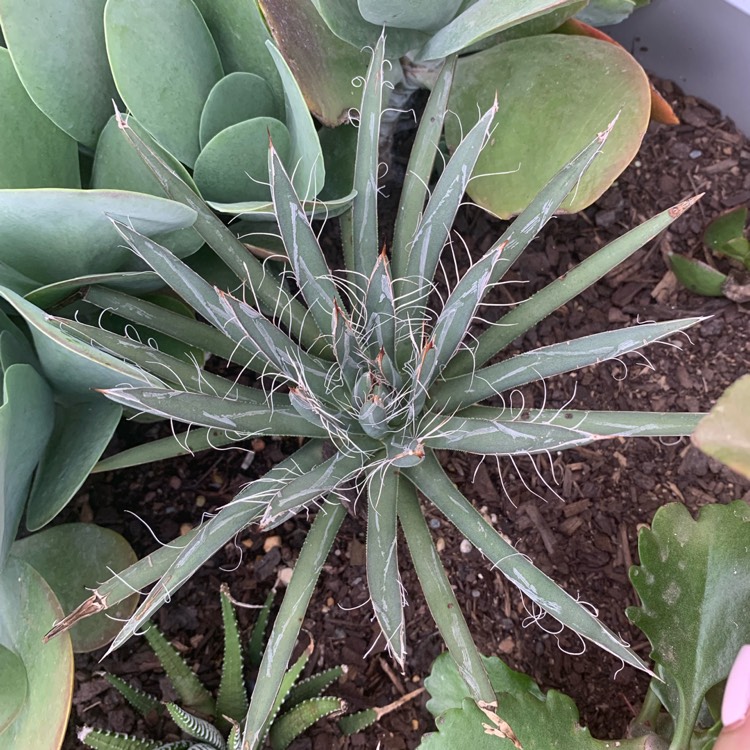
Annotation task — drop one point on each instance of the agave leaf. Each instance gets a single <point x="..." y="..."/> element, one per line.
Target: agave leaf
<point x="555" y="359"/>
<point x="72" y="557"/>
<point x="271" y="296"/>
<point x="211" y="536"/>
<point x="159" y="319"/>
<point x="51" y="295"/>
<point x="231" y="700"/>
<point x="419" y="169"/>
<point x="697" y="276"/>
<point x="439" y="214"/>
<point x="308" y="169"/>
<point x="481" y="19"/>
<point x="263" y="210"/>
<point x="346" y="22"/>
<point x="182" y="444"/>
<point x="288" y="622"/>
<point x="691" y="566"/>
<point x="601" y="423"/>
<point x="552" y="89"/>
<point x="380" y="333"/>
<point x="324" y="66"/>
<point x="724" y="433"/>
<point x="26" y="422"/>
<point x="529" y="312"/>
<point x="170" y="37"/>
<point x="431" y="480"/>
<point x="74" y="368"/>
<point x="440" y="598"/>
<point x="302" y="248"/>
<point x="29" y="608"/>
<point x="293" y="723"/>
<point x="34" y="153"/>
<point x="362" y="255"/>
<point x="240" y="33"/>
<point x="71" y="82"/>
<point x="235" y="98"/>
<point x="81" y="433"/>
<point x="233" y="166"/>
<point x="258" y="636"/>
<point x="383" y="576"/>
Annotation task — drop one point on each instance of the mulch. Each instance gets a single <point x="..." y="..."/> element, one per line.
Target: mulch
<point x="576" y="518"/>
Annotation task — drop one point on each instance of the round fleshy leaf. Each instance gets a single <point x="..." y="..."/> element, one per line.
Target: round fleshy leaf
<point x="164" y="63"/>
<point x="82" y="432"/>
<point x="234" y="99"/>
<point x="725" y="433"/>
<point x="73" y="558"/>
<point x="52" y="235"/>
<point x="13" y="687"/>
<point x="26" y="420"/>
<point x="240" y="32"/>
<point x="325" y="67"/>
<point x="34" y="152"/>
<point x="424" y="15"/>
<point x="555" y="93"/>
<point x="30" y="608"/>
<point x="233" y="166"/>
<point x="117" y="166"/>
<point x="58" y="49"/>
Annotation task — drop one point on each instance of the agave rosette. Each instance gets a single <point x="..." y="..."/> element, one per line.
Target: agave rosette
<point x="359" y="363"/>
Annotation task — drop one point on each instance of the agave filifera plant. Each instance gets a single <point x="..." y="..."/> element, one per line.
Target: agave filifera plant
<point x="378" y="377"/>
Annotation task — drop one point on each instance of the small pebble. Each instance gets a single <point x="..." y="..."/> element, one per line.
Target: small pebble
<point x="175" y="483"/>
<point x="200" y="501"/>
<point x="475" y="593"/>
<point x="434" y="523"/>
<point x="258" y="445"/>
<point x="465" y="547"/>
<point x="185" y="528"/>
<point x="440" y="544"/>
<point x="270" y="542"/>
<point x="285" y="575"/>
<point x="695" y="153"/>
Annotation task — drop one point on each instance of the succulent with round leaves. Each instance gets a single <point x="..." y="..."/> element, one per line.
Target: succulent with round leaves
<point x="360" y="363"/>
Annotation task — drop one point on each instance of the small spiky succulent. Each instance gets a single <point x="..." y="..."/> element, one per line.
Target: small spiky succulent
<point x="378" y="372"/>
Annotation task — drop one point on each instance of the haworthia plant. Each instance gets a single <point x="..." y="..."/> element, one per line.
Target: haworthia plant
<point x="214" y="723"/>
<point x="372" y="389"/>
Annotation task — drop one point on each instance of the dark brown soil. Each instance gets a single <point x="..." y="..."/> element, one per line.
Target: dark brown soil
<point x="582" y="530"/>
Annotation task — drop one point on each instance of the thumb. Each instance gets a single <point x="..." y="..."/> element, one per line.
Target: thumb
<point x="735" y="706"/>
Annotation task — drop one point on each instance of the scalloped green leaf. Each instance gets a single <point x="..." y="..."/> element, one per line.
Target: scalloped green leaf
<point x="14" y="687"/>
<point x="725" y="433"/>
<point x="555" y="92"/>
<point x="233" y="167"/>
<point x="728" y="226"/>
<point x="72" y="558"/>
<point x="325" y="67"/>
<point x="29" y="610"/>
<point x="164" y="63"/>
<point x="235" y="98"/>
<point x="697" y="276"/>
<point x="26" y="418"/>
<point x="34" y="152"/>
<point x="52" y="235"/>
<point x="464" y="727"/>
<point x="70" y="80"/>
<point x="694" y="598"/>
<point x="448" y="690"/>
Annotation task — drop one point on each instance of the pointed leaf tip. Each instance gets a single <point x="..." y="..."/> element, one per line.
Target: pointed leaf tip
<point x="678" y="209"/>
